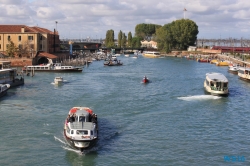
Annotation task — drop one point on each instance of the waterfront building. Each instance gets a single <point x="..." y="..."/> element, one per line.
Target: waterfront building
<point x="149" y="44"/>
<point x="29" y="40"/>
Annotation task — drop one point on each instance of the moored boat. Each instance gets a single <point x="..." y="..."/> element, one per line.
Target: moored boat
<point x="111" y="62"/>
<point x="233" y="68"/>
<point x="222" y="63"/>
<point x="244" y="73"/>
<point x="81" y="128"/>
<point x="203" y="60"/>
<point x="58" y="80"/>
<point x="216" y="84"/>
<point x="53" y="67"/>
<point x="10" y="75"/>
<point x="214" y="61"/>
<point x="3" y="89"/>
<point x="151" y="54"/>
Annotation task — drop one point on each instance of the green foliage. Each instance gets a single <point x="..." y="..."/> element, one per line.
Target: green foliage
<point x="120" y="39"/>
<point x="146" y="31"/>
<point x="124" y="40"/>
<point x="109" y="41"/>
<point x="136" y="42"/>
<point x="11" y="49"/>
<point x="177" y="35"/>
<point x="129" y="39"/>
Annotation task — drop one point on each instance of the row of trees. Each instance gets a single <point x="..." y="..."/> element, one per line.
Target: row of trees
<point x="123" y="40"/>
<point x="177" y="35"/>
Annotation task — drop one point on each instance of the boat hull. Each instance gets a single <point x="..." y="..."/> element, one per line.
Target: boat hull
<point x="80" y="144"/>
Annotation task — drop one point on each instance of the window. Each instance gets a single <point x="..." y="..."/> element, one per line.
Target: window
<point x="41" y="37"/>
<point x="8" y="37"/>
<point x="0" y="44"/>
<point x="19" y="38"/>
<point x="30" y="37"/>
<point x="0" y="37"/>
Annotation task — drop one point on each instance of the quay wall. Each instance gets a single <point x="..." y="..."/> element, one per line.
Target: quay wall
<point x="18" y="62"/>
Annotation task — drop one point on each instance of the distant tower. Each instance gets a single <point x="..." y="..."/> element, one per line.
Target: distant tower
<point x="184" y="12"/>
<point x="71" y="47"/>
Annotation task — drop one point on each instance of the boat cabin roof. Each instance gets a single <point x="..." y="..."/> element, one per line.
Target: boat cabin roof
<point x="216" y="77"/>
<point x="81" y="125"/>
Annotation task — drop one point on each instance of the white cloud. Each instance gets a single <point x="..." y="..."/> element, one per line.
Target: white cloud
<point x="78" y="18"/>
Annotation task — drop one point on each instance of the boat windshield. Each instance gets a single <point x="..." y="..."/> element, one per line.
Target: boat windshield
<point x="82" y="132"/>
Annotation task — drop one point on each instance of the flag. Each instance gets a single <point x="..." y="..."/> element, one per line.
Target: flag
<point x="185" y="9"/>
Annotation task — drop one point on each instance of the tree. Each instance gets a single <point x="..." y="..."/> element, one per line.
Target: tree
<point x="25" y="49"/>
<point x="146" y="31"/>
<point x="176" y="35"/>
<point x="136" y="42"/>
<point x="120" y="39"/>
<point x="109" y="41"/>
<point x="129" y="39"/>
<point x="184" y="33"/>
<point x="11" y="49"/>
<point x="124" y="40"/>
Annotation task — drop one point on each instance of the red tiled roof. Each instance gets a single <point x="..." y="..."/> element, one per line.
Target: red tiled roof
<point x="47" y="55"/>
<point x="18" y="28"/>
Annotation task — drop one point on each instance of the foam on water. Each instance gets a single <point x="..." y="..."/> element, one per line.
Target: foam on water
<point x="199" y="97"/>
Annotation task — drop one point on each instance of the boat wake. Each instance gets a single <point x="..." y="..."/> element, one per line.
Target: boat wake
<point x="199" y="97"/>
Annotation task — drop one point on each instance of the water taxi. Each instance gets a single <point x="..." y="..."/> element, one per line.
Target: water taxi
<point x="244" y="73"/>
<point x="151" y="54"/>
<point x="80" y="128"/>
<point x="216" y="84"/>
<point x="58" y="80"/>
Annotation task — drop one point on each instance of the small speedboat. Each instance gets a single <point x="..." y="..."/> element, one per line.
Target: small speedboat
<point x="58" y="80"/>
<point x="145" y="80"/>
<point x="80" y="128"/>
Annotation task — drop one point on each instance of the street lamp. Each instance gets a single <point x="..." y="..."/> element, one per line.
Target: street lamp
<point x="56" y="25"/>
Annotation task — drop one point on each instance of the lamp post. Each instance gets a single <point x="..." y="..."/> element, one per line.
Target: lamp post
<point x="56" y="25"/>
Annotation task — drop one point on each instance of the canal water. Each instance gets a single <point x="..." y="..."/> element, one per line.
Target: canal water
<point x="170" y="121"/>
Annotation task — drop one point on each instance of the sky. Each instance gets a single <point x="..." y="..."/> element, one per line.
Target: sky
<point x="81" y="19"/>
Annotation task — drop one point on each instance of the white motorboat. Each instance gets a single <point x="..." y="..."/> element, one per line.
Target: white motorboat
<point x="58" y="80"/>
<point x="244" y="73"/>
<point x="80" y="128"/>
<point x="216" y="84"/>
<point x="3" y="89"/>
<point x="233" y="68"/>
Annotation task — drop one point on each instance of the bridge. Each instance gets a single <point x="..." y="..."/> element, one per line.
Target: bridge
<point x="91" y="45"/>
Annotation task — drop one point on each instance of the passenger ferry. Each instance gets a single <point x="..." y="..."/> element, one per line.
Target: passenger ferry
<point x="216" y="84"/>
<point x="52" y="67"/>
<point x="80" y="128"/>
<point x="9" y="75"/>
<point x="151" y="54"/>
<point x="244" y="73"/>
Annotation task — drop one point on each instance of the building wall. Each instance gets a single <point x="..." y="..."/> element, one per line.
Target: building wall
<point x="36" y="41"/>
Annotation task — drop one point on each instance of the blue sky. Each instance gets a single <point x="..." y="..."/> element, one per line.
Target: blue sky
<point x="92" y="18"/>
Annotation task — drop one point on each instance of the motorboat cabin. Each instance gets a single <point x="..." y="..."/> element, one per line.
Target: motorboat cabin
<point x="216" y="84"/>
